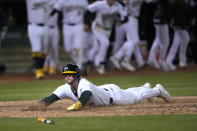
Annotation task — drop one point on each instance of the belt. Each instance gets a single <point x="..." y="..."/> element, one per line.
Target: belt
<point x="51" y="26"/>
<point x="111" y="101"/>
<point x="71" y="24"/>
<point x="38" y="24"/>
<point x="137" y="17"/>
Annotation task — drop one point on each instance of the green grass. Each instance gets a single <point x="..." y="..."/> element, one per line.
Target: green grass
<point x="116" y="123"/>
<point x="178" y="84"/>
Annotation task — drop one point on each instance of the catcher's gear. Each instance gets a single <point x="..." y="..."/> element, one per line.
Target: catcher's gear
<point x="75" y="107"/>
<point x="71" y="69"/>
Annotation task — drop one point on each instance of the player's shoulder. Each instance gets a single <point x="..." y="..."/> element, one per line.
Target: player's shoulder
<point x="83" y="80"/>
<point x="85" y="83"/>
<point x="64" y="85"/>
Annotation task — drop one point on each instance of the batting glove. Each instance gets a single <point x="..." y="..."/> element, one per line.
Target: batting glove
<point x="75" y="107"/>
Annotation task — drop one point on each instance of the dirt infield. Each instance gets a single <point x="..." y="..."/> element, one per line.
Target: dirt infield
<point x="178" y="105"/>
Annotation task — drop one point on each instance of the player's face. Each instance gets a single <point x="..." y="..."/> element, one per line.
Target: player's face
<point x="69" y="79"/>
<point x="110" y="2"/>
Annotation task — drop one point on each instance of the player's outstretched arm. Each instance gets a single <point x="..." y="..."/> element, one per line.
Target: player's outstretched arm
<point x="49" y="99"/>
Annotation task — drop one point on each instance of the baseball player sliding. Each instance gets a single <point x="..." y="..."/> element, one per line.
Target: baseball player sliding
<point x="83" y="92"/>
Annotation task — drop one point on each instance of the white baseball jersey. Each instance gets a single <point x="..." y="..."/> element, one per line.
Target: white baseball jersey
<point x="106" y="14"/>
<point x="37" y="11"/>
<point x="53" y="19"/>
<point x="38" y="14"/>
<point x="101" y="95"/>
<point x="134" y="7"/>
<point x="72" y="10"/>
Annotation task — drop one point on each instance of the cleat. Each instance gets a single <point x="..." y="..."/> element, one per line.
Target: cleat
<point x="141" y="64"/>
<point x="163" y="93"/>
<point x="147" y="85"/>
<point x="182" y="64"/>
<point x="163" y="66"/>
<point x="45" y="69"/>
<point x="115" y="62"/>
<point x="154" y="64"/>
<point x="101" y="69"/>
<point x="171" y="66"/>
<point x="52" y="70"/>
<point x="127" y="66"/>
<point x="39" y="74"/>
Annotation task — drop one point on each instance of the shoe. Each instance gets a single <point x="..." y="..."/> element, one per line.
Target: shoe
<point x="127" y="66"/>
<point x="147" y="85"/>
<point x="163" y="93"/>
<point x="39" y="74"/>
<point x="141" y="64"/>
<point x="163" y="66"/>
<point x="101" y="69"/>
<point x="52" y="70"/>
<point x="115" y="62"/>
<point x="171" y="66"/>
<point x="154" y="64"/>
<point x="182" y="64"/>
<point x="45" y="69"/>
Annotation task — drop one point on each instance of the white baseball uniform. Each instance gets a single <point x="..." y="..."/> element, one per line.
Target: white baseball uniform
<point x="52" y="57"/>
<point x="161" y="19"/>
<point x="73" y="32"/>
<point x="90" y="46"/>
<point x="37" y="12"/>
<point x="102" y="26"/>
<point x="130" y="30"/>
<point x="180" y="41"/>
<point x="161" y="43"/>
<point x="104" y="95"/>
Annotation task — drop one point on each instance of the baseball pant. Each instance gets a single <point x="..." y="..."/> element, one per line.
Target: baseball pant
<point x="38" y="36"/>
<point x="73" y="42"/>
<point x="130" y="29"/>
<point x="180" y="41"/>
<point x="52" y="57"/>
<point x="102" y="37"/>
<point x="130" y="95"/>
<point x="161" y="42"/>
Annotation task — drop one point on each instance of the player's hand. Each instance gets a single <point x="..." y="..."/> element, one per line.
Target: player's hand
<point x="75" y="107"/>
<point x="36" y="107"/>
